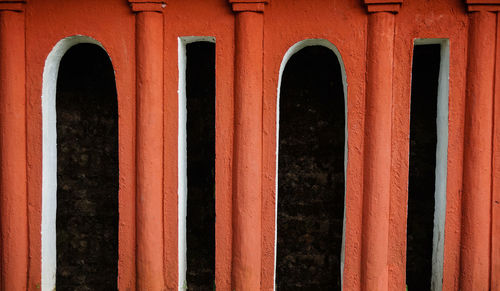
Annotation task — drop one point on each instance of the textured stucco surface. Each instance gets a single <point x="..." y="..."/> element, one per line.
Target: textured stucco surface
<point x="344" y="24"/>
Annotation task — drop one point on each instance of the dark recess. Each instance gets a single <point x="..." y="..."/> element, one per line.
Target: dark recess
<point x="311" y="172"/>
<point x="424" y="89"/>
<point x="200" y="95"/>
<point x="87" y="171"/>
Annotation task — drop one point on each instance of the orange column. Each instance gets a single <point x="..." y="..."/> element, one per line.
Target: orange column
<point x="377" y="154"/>
<point x="149" y="155"/>
<point x="495" y="241"/>
<point x="476" y="203"/>
<point x="247" y="171"/>
<point x="13" y="203"/>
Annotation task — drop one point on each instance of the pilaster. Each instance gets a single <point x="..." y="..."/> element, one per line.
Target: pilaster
<point x="247" y="166"/>
<point x="13" y="184"/>
<point x="483" y="5"/>
<point x="392" y="6"/>
<point x="475" y="259"/>
<point x="149" y="149"/>
<point x="377" y="151"/>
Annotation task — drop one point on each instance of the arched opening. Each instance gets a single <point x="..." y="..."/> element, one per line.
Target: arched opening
<point x="87" y="170"/>
<point x="311" y="169"/>
<point x="80" y="168"/>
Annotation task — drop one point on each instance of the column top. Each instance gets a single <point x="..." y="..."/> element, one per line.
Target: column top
<point x="248" y="5"/>
<point x="392" y="6"/>
<point x="147" y="5"/>
<point x="12" y="5"/>
<point x="482" y="5"/>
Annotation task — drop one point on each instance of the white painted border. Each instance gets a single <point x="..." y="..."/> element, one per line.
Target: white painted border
<point x="182" y="155"/>
<point x="291" y="51"/>
<point x="49" y="156"/>
<point x="441" y="161"/>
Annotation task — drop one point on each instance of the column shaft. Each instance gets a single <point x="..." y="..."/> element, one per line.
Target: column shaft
<point x="476" y="215"/>
<point x="149" y="29"/>
<point x="377" y="169"/>
<point x="246" y="266"/>
<point x="13" y="193"/>
<point x="495" y="215"/>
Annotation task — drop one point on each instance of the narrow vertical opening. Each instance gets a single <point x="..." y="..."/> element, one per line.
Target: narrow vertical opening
<point x="427" y="175"/>
<point x="87" y="171"/>
<point x="198" y="108"/>
<point x="311" y="167"/>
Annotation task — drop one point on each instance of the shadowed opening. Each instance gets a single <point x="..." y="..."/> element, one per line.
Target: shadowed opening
<point x="422" y="175"/>
<point x="87" y="171"/>
<point x="200" y="128"/>
<point x="311" y="178"/>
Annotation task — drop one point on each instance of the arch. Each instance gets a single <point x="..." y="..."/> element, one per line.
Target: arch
<point x="49" y="155"/>
<point x="288" y="55"/>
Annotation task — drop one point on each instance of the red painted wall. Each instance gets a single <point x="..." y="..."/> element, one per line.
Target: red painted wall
<point x="112" y="24"/>
<point x="236" y="27"/>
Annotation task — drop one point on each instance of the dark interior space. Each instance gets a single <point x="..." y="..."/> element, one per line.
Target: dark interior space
<point x="423" y="138"/>
<point x="87" y="171"/>
<point x="310" y="172"/>
<point x="200" y="103"/>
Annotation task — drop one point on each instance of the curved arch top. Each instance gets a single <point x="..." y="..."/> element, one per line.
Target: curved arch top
<point x="49" y="154"/>
<point x="288" y="55"/>
<point x="313" y="42"/>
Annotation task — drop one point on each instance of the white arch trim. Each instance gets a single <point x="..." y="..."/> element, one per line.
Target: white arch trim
<point x="291" y="51"/>
<point x="49" y="155"/>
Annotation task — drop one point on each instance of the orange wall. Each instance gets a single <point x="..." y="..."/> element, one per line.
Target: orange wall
<point x="344" y="24"/>
<point x="112" y="24"/>
<point x="436" y="19"/>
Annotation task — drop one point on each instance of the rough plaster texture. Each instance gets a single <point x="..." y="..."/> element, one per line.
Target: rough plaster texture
<point x="414" y="23"/>
<point x="278" y="15"/>
<point x="475" y="257"/>
<point x="55" y="22"/>
<point x="149" y="138"/>
<point x="14" y="241"/>
<point x="343" y="23"/>
<point x="215" y="19"/>
<point x="495" y="243"/>
<point x="377" y="151"/>
<point x="247" y="254"/>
